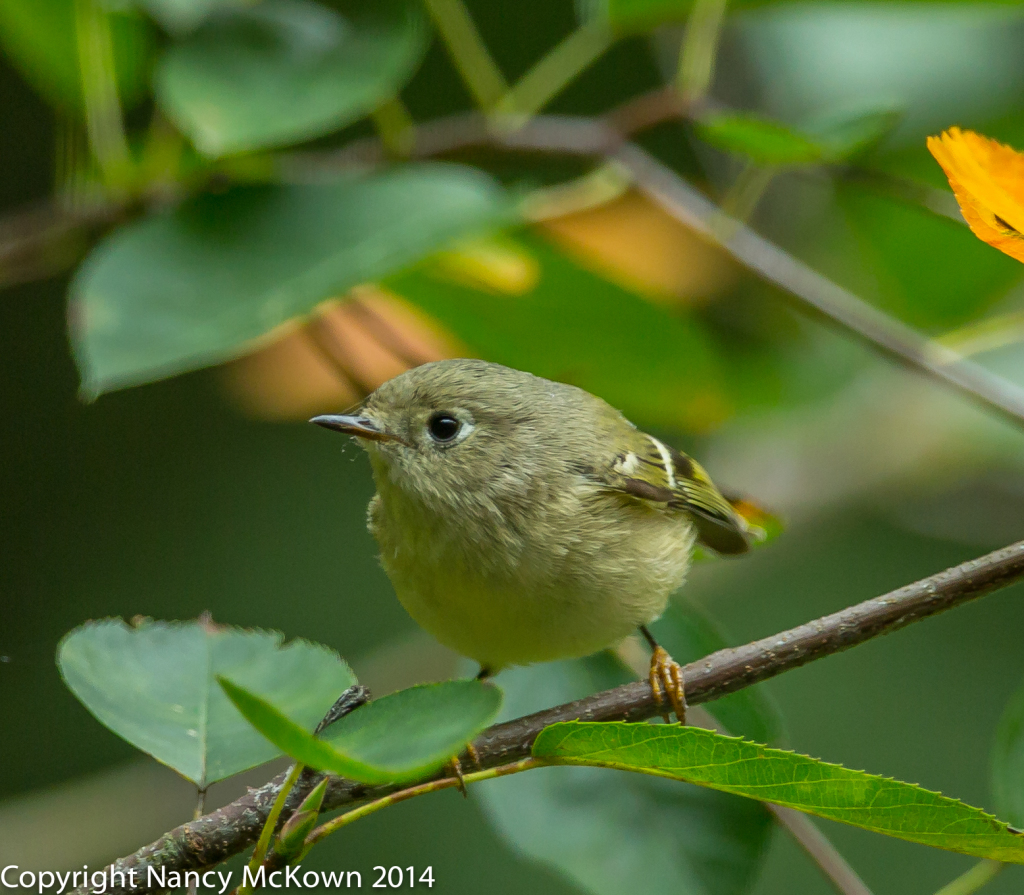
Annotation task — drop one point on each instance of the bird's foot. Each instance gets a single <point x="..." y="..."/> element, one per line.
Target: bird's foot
<point x="666" y="679"/>
<point x="454" y="768"/>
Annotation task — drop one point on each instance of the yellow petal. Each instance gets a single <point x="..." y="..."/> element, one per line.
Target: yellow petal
<point x="987" y="178"/>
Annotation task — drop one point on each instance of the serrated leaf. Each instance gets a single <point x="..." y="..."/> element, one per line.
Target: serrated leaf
<point x="284" y="71"/>
<point x="733" y="765"/>
<point x="154" y="685"/>
<point x="1008" y="762"/>
<point x="606" y="831"/>
<point x="573" y="325"/>
<point x="763" y="141"/>
<point x="397" y="738"/>
<point x="200" y="284"/>
<point x="39" y="37"/>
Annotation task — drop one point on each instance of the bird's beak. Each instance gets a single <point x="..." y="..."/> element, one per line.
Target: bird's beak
<point x="359" y="426"/>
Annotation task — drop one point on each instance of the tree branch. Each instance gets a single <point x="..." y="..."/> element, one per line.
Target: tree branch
<point x="228" y="831"/>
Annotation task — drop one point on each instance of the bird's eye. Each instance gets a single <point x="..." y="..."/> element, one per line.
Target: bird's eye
<point x="443" y="427"/>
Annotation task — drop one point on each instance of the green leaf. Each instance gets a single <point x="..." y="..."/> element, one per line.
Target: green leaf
<point x="733" y="765"/>
<point x="198" y="285"/>
<point x="180" y="16"/>
<point x="606" y="831"/>
<point x="154" y="685"/>
<point x="39" y="37"/>
<point x="661" y="368"/>
<point x="765" y="142"/>
<point x="845" y="134"/>
<point x="400" y="737"/>
<point x="1008" y="762"/>
<point x="284" y="71"/>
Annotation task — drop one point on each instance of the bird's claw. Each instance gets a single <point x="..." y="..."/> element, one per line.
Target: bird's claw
<point x="666" y="678"/>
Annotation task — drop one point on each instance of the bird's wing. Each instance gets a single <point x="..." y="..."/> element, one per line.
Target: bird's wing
<point x="658" y="474"/>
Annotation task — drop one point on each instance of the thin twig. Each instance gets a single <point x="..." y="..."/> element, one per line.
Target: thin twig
<point x="977" y="876"/>
<point x="820" y="850"/>
<point x="469" y="53"/>
<point x="231" y="829"/>
<point x="699" y="49"/>
<point x="815" y="291"/>
<point x="805" y="832"/>
<point x="411" y="792"/>
<point x="553" y="73"/>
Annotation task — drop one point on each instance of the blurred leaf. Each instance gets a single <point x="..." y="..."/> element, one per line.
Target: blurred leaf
<point x="931" y="272"/>
<point x="284" y="71"/>
<point x="179" y="16"/>
<point x="39" y="37"/>
<point x="577" y="327"/>
<point x="199" y="284"/>
<point x="1008" y="762"/>
<point x="397" y="738"/>
<point x="763" y="141"/>
<point x="606" y="832"/>
<point x="733" y="765"/>
<point x="845" y="134"/>
<point x="154" y="685"/>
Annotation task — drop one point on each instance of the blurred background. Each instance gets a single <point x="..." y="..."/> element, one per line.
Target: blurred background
<point x="209" y="491"/>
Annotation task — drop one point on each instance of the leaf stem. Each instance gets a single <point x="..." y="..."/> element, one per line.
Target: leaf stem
<point x="263" y="845"/>
<point x="743" y="197"/>
<point x="699" y="50"/>
<point x="469" y="53"/>
<point x="342" y="820"/>
<point x="103" y="118"/>
<point x="976" y="877"/>
<point x="552" y="74"/>
<point x="396" y="128"/>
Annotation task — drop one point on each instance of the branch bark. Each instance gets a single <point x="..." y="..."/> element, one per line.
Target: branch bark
<point x="226" y="832"/>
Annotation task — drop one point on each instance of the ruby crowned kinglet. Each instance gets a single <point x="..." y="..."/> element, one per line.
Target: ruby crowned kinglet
<point x="522" y="520"/>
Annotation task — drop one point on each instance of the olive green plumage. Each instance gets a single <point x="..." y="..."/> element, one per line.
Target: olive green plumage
<point x="522" y="520"/>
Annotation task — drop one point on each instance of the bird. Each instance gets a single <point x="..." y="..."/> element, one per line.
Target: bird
<point x="522" y="520"/>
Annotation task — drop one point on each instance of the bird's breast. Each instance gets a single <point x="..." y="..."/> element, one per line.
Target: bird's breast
<point x="505" y="588"/>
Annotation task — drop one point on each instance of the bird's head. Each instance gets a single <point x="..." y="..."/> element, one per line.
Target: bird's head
<point x="460" y="430"/>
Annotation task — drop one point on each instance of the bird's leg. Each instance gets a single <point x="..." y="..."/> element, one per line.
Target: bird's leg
<point x="454" y="767"/>
<point x="666" y="677"/>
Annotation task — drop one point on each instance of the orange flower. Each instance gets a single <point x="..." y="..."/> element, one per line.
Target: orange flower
<point x="988" y="180"/>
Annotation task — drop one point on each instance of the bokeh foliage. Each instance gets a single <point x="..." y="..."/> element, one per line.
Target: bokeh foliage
<point x="219" y="132"/>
